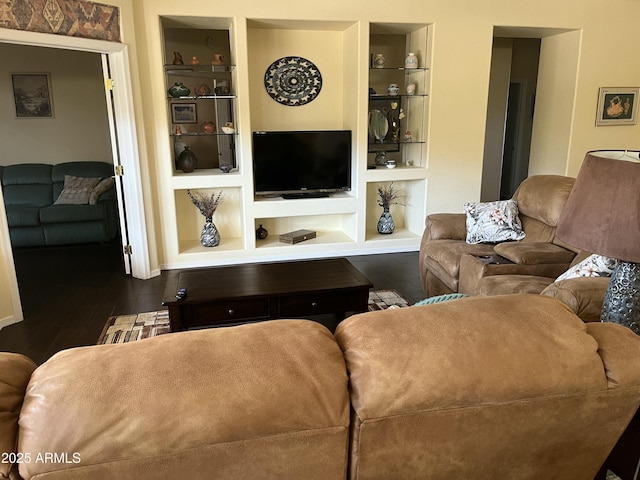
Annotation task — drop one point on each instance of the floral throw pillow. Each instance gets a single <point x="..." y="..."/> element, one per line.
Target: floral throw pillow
<point x="592" y="266"/>
<point x="493" y="222"/>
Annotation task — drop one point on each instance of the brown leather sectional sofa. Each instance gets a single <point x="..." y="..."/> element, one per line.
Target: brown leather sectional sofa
<point x="512" y="386"/>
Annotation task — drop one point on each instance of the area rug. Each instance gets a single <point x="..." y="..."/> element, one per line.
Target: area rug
<point x="383" y="299"/>
<point x="129" y="328"/>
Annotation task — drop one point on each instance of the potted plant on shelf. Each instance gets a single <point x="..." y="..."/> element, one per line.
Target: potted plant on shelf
<point x="387" y="196"/>
<point x="207" y="204"/>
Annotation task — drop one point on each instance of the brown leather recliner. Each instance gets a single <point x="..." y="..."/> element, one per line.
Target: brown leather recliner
<point x="450" y="265"/>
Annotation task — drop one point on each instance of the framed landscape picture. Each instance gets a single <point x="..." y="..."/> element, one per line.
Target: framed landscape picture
<point x="32" y="95"/>
<point x="617" y="106"/>
<point x="184" y="113"/>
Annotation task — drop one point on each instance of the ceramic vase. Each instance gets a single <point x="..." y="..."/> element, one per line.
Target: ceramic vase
<point x="261" y="233"/>
<point x="378" y="61"/>
<point x="411" y="61"/>
<point x="386" y="224"/>
<point x="178" y="90"/>
<point x="218" y="59"/>
<point x="210" y="237"/>
<point x="187" y="160"/>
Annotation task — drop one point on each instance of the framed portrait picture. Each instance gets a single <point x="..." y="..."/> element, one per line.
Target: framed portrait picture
<point x="32" y="95"/>
<point x="184" y="113"/>
<point x="617" y="106"/>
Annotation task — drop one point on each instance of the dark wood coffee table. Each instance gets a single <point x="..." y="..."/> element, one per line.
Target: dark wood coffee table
<point x="265" y="291"/>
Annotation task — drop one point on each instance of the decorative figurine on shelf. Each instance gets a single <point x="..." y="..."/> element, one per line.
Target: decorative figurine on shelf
<point x="202" y="90"/>
<point x="407" y="136"/>
<point x="411" y="88"/>
<point x="381" y="158"/>
<point x="187" y="160"/>
<point x="195" y="60"/>
<point x="229" y="128"/>
<point x="178" y="89"/>
<point x="411" y="61"/>
<point x="378" y="61"/>
<point x="393" y="89"/>
<point x="177" y="58"/>
<point x="218" y="59"/>
<point x="388" y="196"/>
<point x="208" y="127"/>
<point x="207" y="204"/>
<point x="178" y="146"/>
<point x="261" y="233"/>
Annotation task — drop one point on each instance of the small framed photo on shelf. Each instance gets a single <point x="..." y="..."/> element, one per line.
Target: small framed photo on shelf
<point x="32" y="95"/>
<point x="184" y="113"/>
<point x="617" y="106"/>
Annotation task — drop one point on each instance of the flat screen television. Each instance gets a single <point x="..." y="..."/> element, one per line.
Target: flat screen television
<point x="299" y="164"/>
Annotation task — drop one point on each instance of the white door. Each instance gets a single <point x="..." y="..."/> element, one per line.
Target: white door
<point x="117" y="164"/>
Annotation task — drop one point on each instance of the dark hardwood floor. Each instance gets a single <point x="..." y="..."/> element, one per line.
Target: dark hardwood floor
<point x="69" y="292"/>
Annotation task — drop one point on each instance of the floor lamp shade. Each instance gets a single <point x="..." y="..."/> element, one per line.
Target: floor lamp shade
<point x="602" y="216"/>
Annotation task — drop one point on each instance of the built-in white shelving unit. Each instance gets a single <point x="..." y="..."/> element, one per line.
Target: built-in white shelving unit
<point x="345" y="223"/>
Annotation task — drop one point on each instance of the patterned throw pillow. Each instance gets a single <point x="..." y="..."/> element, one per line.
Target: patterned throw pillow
<point x="76" y="190"/>
<point x="592" y="266"/>
<point x="104" y="185"/>
<point x="493" y="222"/>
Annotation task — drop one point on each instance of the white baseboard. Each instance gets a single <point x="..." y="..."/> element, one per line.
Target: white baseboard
<point x="10" y="320"/>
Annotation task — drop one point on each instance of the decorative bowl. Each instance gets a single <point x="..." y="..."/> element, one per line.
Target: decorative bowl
<point x="208" y="127"/>
<point x="228" y="130"/>
<point x="202" y="90"/>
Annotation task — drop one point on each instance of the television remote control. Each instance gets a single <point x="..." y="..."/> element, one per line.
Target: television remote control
<point x="182" y="294"/>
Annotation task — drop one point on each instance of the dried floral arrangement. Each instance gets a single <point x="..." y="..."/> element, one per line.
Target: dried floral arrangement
<point x="388" y="195"/>
<point x="207" y="204"/>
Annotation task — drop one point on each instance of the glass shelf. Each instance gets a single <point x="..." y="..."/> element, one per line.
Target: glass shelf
<point x="205" y="68"/>
<point x="202" y="134"/>
<point x="391" y="146"/>
<point x="391" y="97"/>
<point x="408" y="70"/>
<point x="204" y="97"/>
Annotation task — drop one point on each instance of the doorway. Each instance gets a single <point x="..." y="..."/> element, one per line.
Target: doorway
<point x="78" y="130"/>
<point x="514" y="162"/>
<point x="512" y="93"/>
<point x="126" y="146"/>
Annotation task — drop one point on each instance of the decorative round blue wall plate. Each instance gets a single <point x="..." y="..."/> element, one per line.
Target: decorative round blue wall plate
<point x="293" y="81"/>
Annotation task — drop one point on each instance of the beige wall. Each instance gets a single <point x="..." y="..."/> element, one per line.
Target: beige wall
<point x="78" y="131"/>
<point x="463" y="35"/>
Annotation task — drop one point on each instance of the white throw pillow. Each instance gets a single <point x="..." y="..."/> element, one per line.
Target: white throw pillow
<point x="592" y="266"/>
<point x="493" y="222"/>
